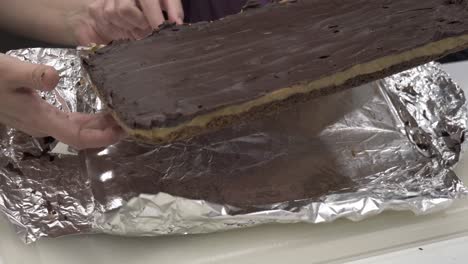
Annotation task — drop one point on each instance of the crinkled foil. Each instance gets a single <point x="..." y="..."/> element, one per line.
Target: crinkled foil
<point x="387" y="145"/>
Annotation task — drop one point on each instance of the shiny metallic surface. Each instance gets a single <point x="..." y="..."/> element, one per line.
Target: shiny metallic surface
<point x="44" y="193"/>
<point x="387" y="145"/>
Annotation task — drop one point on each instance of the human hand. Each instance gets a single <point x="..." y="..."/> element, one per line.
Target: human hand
<point x="102" y="21"/>
<point x="22" y="108"/>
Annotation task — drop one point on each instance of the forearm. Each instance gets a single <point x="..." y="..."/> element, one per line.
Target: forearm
<point x="45" y="20"/>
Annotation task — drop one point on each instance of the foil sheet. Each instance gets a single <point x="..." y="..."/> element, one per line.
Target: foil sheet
<point x="387" y="145"/>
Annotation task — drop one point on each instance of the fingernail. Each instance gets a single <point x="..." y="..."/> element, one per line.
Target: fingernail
<point x="49" y="82"/>
<point x="42" y="82"/>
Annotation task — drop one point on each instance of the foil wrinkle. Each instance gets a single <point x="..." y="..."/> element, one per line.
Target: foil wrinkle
<point x="387" y="145"/>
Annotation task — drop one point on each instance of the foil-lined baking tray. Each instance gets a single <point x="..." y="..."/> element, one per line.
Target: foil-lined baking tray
<point x="387" y="145"/>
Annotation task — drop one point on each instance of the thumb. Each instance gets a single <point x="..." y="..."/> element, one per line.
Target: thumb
<point x="28" y="75"/>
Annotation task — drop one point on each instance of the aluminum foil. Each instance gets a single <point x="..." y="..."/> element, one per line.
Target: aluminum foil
<point x="387" y="145"/>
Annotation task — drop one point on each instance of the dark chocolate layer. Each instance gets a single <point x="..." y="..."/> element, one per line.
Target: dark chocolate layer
<point x="181" y="73"/>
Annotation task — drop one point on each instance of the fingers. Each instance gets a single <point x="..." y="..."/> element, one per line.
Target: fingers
<point x="22" y="108"/>
<point x="174" y="10"/>
<point x="130" y="19"/>
<point x="89" y="35"/>
<point x="84" y="131"/>
<point x="133" y="17"/>
<point x="139" y="33"/>
<point x="97" y="130"/>
<point x="19" y="108"/>
<point x="12" y="121"/>
<point x="96" y="121"/>
<point x="153" y="12"/>
<point x="102" y="21"/>
<point x="29" y="131"/>
<point x="109" y="14"/>
<point x="41" y="119"/>
<point x="86" y="137"/>
<point x="119" y="19"/>
<point x="16" y="74"/>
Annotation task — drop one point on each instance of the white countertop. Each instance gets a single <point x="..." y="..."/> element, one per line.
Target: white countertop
<point x="404" y="237"/>
<point x="451" y="251"/>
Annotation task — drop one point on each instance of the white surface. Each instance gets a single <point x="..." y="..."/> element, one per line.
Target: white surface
<point x="452" y="251"/>
<point x="325" y="243"/>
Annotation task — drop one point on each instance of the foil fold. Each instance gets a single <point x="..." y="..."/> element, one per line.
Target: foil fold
<point x="387" y="145"/>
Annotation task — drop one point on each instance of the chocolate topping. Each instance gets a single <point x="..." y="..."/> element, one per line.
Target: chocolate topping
<point x="249" y="60"/>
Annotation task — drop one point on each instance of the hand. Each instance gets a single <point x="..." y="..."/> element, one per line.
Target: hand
<point x="22" y="108"/>
<point x="102" y="21"/>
